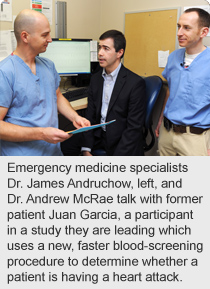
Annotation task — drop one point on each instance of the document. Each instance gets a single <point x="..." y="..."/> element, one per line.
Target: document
<point x="162" y="58"/>
<point x="5" y="10"/>
<point x="6" y="43"/>
<point x="83" y="129"/>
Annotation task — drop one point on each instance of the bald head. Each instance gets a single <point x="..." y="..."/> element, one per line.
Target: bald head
<point x="26" y="20"/>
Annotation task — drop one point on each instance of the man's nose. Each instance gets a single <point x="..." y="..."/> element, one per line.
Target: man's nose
<point x="100" y="51"/>
<point x="49" y="39"/>
<point x="179" y="32"/>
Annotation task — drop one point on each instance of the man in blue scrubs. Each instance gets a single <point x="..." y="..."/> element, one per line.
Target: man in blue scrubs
<point x="185" y="119"/>
<point x="30" y="97"/>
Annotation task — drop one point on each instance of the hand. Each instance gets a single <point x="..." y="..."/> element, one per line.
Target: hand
<point x="157" y="130"/>
<point x="54" y="135"/>
<point x="80" y="122"/>
<point x="208" y="151"/>
<point x="86" y="154"/>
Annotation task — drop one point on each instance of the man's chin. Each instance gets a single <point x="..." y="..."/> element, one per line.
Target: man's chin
<point x="44" y="49"/>
<point x="182" y="44"/>
<point x="102" y="63"/>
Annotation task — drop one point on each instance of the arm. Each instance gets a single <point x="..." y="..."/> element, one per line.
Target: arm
<point x="131" y="141"/>
<point x="65" y="108"/>
<point x="161" y="114"/>
<point x="16" y="133"/>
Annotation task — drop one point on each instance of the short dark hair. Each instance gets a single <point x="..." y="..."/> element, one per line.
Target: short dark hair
<point x="118" y="38"/>
<point x="204" y="16"/>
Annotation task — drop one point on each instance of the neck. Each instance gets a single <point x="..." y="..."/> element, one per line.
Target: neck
<point x="111" y="69"/>
<point x="25" y="55"/>
<point x="27" y="58"/>
<point x="195" y="50"/>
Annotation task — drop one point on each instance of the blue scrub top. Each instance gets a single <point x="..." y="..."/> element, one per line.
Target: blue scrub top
<point x="31" y="101"/>
<point x="189" y="99"/>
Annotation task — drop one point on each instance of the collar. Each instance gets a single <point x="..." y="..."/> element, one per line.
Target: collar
<point x="191" y="56"/>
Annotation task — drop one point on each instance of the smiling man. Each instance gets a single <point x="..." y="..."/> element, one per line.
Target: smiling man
<point x="115" y="93"/>
<point x="185" y="119"/>
<point x="29" y="93"/>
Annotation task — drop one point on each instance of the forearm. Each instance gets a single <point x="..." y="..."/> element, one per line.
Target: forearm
<point x="164" y="103"/>
<point x="65" y="108"/>
<point x="16" y="133"/>
<point x="161" y="114"/>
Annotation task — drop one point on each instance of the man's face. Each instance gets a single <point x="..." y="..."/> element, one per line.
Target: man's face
<point x="189" y="31"/>
<point x="107" y="56"/>
<point x="39" y="37"/>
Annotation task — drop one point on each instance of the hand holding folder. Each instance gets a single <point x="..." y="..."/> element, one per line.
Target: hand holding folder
<point x="87" y="128"/>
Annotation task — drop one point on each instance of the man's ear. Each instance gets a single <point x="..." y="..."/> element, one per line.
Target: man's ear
<point x="204" y="31"/>
<point x="120" y="53"/>
<point x="24" y="36"/>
